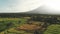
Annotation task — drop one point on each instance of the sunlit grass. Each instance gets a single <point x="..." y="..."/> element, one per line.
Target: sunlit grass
<point x="53" y="29"/>
<point x="15" y="22"/>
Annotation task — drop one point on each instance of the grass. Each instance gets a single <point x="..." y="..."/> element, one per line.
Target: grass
<point x="7" y="23"/>
<point x="53" y="29"/>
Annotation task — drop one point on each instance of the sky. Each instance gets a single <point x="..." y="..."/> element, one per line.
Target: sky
<point x="17" y="6"/>
<point x="7" y="5"/>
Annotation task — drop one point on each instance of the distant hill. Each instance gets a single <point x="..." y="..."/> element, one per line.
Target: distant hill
<point x="39" y="11"/>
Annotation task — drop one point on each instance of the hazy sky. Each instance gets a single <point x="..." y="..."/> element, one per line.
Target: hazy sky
<point x="7" y="5"/>
<point x="16" y="6"/>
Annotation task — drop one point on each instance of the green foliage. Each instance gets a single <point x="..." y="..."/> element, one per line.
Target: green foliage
<point x="53" y="29"/>
<point x="6" y="23"/>
<point x="14" y="31"/>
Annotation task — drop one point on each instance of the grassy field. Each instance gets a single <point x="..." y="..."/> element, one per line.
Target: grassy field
<point x="9" y="25"/>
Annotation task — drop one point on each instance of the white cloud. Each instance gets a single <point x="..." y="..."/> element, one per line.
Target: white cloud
<point x="21" y="6"/>
<point x="27" y="5"/>
<point x="52" y="6"/>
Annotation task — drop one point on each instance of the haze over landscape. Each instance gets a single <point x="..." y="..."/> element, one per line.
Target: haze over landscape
<point x="32" y="6"/>
<point x="29" y="17"/>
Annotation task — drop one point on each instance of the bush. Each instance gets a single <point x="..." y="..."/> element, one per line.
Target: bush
<point x="6" y="23"/>
<point x="53" y="29"/>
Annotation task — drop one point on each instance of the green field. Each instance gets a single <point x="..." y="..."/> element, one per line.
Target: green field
<point x="9" y="25"/>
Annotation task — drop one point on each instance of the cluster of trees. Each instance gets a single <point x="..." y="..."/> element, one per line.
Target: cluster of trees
<point x="7" y="24"/>
<point x="18" y="15"/>
<point x="51" y="20"/>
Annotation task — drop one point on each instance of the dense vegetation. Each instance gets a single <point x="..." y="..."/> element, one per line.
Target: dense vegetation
<point x="29" y="24"/>
<point x="53" y="29"/>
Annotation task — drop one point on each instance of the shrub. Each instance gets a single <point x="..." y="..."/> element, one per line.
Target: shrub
<point x="53" y="29"/>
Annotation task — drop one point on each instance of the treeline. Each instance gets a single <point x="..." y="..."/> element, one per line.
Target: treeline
<point x="12" y="15"/>
<point x="18" y="15"/>
<point x="47" y="19"/>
